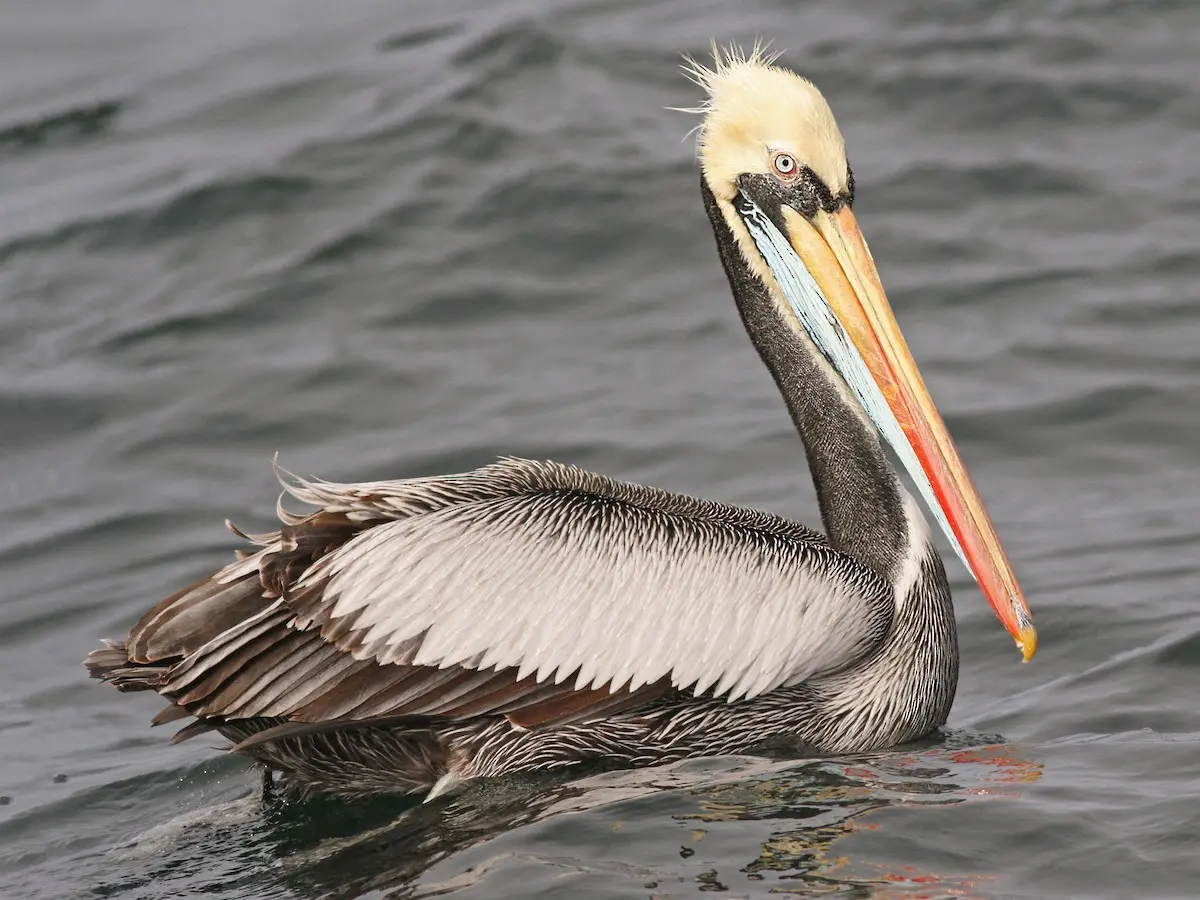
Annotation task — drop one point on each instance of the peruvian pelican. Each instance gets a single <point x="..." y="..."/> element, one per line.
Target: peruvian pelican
<point x="527" y="615"/>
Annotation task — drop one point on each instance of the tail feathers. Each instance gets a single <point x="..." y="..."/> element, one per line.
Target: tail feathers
<point x="112" y="655"/>
<point x="173" y="629"/>
<point x="111" y="664"/>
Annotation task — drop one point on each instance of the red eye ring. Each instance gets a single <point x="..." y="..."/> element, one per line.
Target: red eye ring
<point x="784" y="164"/>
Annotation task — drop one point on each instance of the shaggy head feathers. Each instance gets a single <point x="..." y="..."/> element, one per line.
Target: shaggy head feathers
<point x="754" y="108"/>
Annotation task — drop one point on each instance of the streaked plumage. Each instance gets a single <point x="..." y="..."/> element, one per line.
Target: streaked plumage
<point x="531" y="615"/>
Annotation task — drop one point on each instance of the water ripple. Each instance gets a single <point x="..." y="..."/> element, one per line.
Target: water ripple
<point x="60" y="129"/>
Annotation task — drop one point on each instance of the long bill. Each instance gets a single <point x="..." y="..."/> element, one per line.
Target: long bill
<point x="827" y="276"/>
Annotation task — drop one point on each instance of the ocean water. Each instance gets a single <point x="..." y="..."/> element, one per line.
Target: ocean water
<point x="391" y="239"/>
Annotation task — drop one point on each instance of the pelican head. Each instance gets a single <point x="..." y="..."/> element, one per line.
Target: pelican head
<point x="775" y="162"/>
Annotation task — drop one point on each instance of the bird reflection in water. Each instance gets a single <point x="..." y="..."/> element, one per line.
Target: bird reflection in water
<point x="832" y="799"/>
<point x="806" y="809"/>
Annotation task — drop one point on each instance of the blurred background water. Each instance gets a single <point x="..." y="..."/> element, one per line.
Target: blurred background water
<point x="392" y="239"/>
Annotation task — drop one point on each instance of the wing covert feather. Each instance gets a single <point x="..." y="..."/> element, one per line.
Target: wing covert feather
<point x="558" y="573"/>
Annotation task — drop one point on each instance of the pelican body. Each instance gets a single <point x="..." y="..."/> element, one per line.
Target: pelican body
<point x="407" y="635"/>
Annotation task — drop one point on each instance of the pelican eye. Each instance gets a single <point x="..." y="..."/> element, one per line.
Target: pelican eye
<point x="785" y="165"/>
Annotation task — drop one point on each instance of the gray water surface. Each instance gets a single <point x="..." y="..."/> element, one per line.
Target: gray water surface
<point x="393" y="239"/>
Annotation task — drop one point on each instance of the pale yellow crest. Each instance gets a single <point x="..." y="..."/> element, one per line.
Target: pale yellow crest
<point x="755" y="107"/>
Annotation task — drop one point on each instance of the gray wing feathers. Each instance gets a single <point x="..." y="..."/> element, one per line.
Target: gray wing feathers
<point x="560" y="573"/>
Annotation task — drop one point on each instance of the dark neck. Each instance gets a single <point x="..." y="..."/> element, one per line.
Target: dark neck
<point x="861" y="500"/>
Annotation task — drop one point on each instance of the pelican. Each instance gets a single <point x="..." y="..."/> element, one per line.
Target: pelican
<point x="408" y="635"/>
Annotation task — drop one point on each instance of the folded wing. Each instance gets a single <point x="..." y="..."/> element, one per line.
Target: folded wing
<point x="528" y="589"/>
